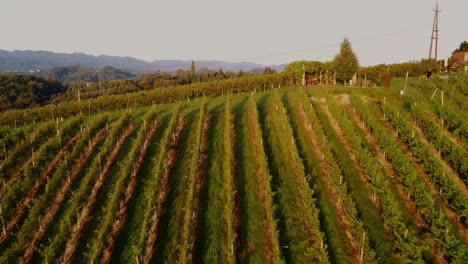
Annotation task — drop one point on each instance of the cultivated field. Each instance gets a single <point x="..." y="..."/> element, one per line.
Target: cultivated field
<point x="287" y="175"/>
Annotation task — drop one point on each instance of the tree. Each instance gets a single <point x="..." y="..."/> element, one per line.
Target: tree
<point x="269" y="70"/>
<point x="463" y="46"/>
<point x="193" y="71"/>
<point x="346" y="62"/>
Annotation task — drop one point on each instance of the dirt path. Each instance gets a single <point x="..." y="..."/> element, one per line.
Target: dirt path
<point x="85" y="213"/>
<point x="346" y="227"/>
<point x="59" y="196"/>
<point x="270" y="250"/>
<point x="120" y="216"/>
<point x="161" y="196"/>
<point x="23" y="205"/>
<point x="199" y="184"/>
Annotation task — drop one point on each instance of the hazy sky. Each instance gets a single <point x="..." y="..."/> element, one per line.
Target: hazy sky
<point x="264" y="31"/>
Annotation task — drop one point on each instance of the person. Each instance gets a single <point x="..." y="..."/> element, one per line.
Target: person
<point x="429" y="74"/>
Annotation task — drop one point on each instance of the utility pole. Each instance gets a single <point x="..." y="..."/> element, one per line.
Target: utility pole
<point x="435" y="31"/>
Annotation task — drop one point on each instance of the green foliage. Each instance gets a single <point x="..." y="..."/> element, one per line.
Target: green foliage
<point x="452" y="247"/>
<point x="257" y="223"/>
<point x="346" y="63"/>
<point x="146" y="201"/>
<point x="299" y="227"/>
<point x="51" y="191"/>
<point x="193" y="70"/>
<point x="414" y="69"/>
<point x="259" y="192"/>
<point x="337" y="241"/>
<point x="463" y="46"/>
<point x="156" y="96"/>
<point x="217" y="234"/>
<point x="21" y="91"/>
<point x="295" y="70"/>
<point x="71" y="74"/>
<point x="52" y="248"/>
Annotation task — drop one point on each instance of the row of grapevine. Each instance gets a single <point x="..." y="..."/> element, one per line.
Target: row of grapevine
<point x="258" y="232"/>
<point x="299" y="227"/>
<point x="23" y="154"/>
<point x="409" y="248"/>
<point x="336" y="198"/>
<point x="51" y="248"/>
<point x="148" y="201"/>
<point x="9" y="138"/>
<point x="217" y="236"/>
<point x="452" y="153"/>
<point x="36" y="173"/>
<point x="451" y="116"/>
<point x="173" y="244"/>
<point x="142" y="98"/>
<point x="34" y="222"/>
<point x="106" y="214"/>
<point x="452" y="247"/>
<point x="340" y="134"/>
<point x="340" y="247"/>
<point x="124" y="203"/>
<point x="85" y="213"/>
<point x="449" y="191"/>
<point x="162" y="192"/>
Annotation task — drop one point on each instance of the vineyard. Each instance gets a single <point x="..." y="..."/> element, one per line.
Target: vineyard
<point x="259" y="173"/>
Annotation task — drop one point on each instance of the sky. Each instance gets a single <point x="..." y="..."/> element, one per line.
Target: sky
<point x="263" y="31"/>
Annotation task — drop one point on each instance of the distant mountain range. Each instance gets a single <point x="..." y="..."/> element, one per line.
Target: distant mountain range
<point x="27" y="60"/>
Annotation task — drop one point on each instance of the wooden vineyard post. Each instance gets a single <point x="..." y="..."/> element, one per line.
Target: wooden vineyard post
<point x="406" y="82"/>
<point x="362" y="246"/>
<point x="432" y="97"/>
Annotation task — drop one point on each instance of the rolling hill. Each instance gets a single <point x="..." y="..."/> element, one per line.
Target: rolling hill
<point x="27" y="60"/>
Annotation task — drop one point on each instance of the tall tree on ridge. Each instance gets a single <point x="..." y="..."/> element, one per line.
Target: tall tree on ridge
<point x="346" y="63"/>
